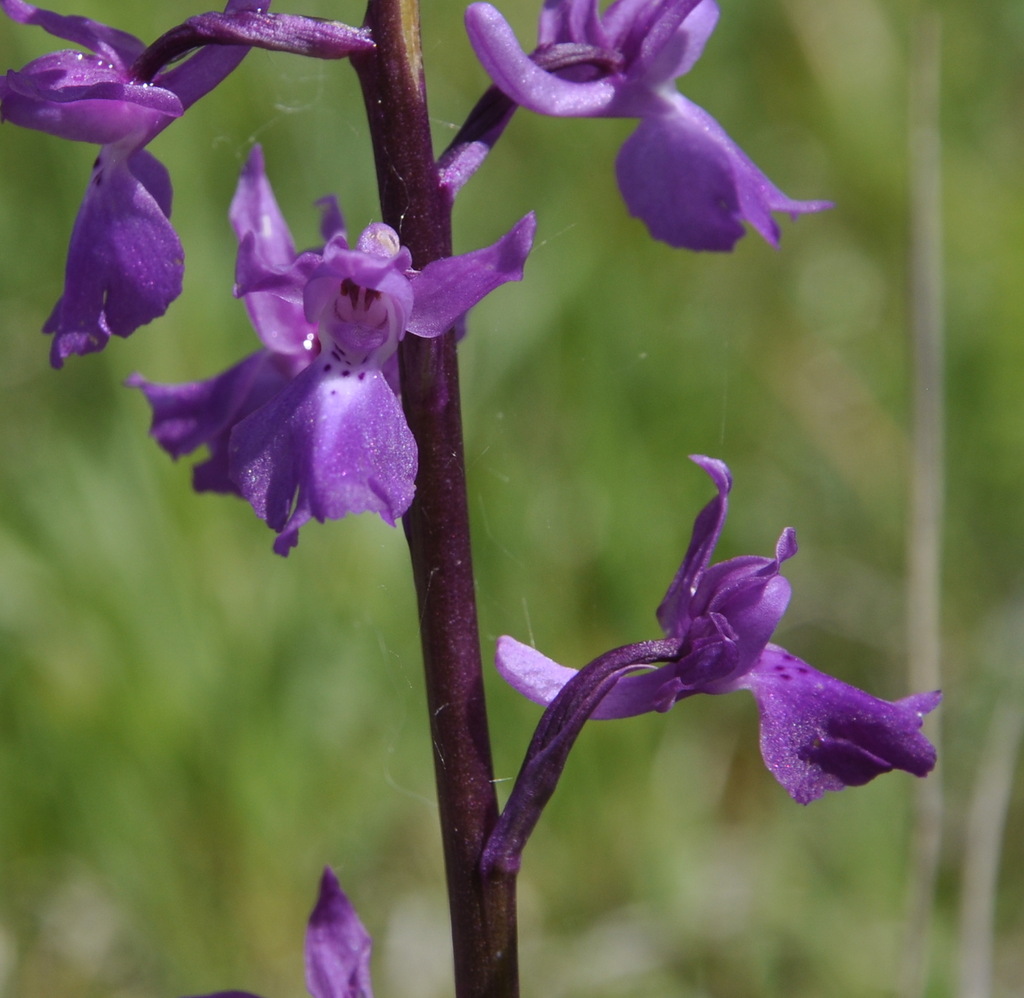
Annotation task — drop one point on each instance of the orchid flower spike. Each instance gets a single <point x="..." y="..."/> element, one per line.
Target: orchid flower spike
<point x="817" y="733"/>
<point x="679" y="172"/>
<point x="310" y="426"/>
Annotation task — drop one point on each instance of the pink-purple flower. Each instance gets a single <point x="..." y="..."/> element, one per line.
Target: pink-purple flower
<point x="679" y="172"/>
<point x="817" y="733"/>
<point x="310" y="426"/>
<point x="337" y="948"/>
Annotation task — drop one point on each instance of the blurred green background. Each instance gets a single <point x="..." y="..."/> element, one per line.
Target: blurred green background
<point x="190" y="726"/>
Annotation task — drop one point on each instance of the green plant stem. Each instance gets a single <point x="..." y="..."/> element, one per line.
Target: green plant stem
<point x="437" y="524"/>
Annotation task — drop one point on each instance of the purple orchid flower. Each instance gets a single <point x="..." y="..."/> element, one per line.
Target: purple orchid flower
<point x="337" y="948"/>
<point x="817" y="733"/>
<point x="310" y="425"/>
<point x="679" y="172"/>
<point x="125" y="261"/>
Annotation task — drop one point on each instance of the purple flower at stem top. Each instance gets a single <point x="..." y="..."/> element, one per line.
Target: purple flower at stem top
<point x="125" y="261"/>
<point x="310" y="426"/>
<point x="817" y="733"/>
<point x="337" y="948"/>
<point x="679" y="172"/>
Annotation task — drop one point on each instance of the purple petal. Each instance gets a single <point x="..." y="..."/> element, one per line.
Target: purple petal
<point x="85" y="99"/>
<point x="752" y="596"/>
<point x="252" y="275"/>
<point x="446" y="289"/>
<point x="673" y="613"/>
<point x="627" y="20"/>
<point x="153" y="176"/>
<point x="819" y="734"/>
<point x="125" y="261"/>
<point x="337" y="946"/>
<point x="332" y="222"/>
<point x="186" y="416"/>
<point x="692" y="186"/>
<point x="266" y="250"/>
<point x="688" y="41"/>
<point x="665" y="41"/>
<point x="515" y="73"/>
<point x="255" y="209"/>
<point x="571" y="21"/>
<point x="274" y="300"/>
<point x="679" y="182"/>
<point x="324" y="447"/>
<point x="528" y="672"/>
<point x="113" y="45"/>
<point x="758" y="196"/>
<point x="753" y="603"/>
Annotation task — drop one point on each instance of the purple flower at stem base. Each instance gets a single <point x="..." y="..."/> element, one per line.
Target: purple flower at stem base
<point x="337" y="948"/>
<point x="817" y="733"/>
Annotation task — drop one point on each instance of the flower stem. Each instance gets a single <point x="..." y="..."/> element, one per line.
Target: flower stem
<point x="553" y="740"/>
<point x="437" y="524"/>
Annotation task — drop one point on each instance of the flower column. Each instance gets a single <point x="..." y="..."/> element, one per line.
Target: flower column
<point x="437" y="524"/>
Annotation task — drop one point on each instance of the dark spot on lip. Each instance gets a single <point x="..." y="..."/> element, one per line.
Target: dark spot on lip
<point x="349" y="289"/>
